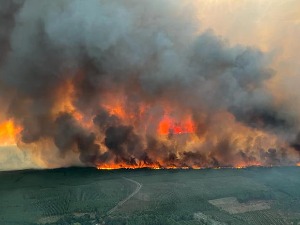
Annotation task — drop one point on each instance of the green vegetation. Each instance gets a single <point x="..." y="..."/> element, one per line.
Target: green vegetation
<point x="85" y="195"/>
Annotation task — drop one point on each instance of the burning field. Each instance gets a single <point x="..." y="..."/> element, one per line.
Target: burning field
<point x="134" y="84"/>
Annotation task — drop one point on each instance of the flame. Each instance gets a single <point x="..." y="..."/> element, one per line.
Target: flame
<point x="116" y="104"/>
<point x="66" y="104"/>
<point x="116" y="108"/>
<point x="156" y="167"/>
<point x="158" y="120"/>
<point x="168" y="125"/>
<point x="8" y="133"/>
<point x="133" y="167"/>
<point x="242" y="165"/>
<point x="171" y="123"/>
<point x="112" y="166"/>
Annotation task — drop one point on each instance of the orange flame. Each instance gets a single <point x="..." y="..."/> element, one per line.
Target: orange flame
<point x="112" y="166"/>
<point x="167" y="118"/>
<point x="116" y="109"/>
<point x="8" y="133"/>
<point x="133" y="167"/>
<point x="66" y="95"/>
<point x="169" y="125"/>
<point x="242" y="165"/>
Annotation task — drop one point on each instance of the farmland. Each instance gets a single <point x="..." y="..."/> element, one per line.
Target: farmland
<point x="208" y="196"/>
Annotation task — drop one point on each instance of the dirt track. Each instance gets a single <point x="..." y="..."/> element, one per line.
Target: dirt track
<point x="137" y="189"/>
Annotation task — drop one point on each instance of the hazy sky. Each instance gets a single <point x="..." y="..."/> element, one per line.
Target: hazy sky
<point x="271" y="25"/>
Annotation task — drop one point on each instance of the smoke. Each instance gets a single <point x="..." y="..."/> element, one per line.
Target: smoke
<point x="94" y="79"/>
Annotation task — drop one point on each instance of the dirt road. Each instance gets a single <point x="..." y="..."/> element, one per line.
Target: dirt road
<point x="137" y="189"/>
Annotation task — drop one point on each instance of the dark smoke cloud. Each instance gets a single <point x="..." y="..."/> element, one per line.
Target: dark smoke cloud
<point x="296" y="142"/>
<point x="70" y="135"/>
<point x="142" y="49"/>
<point x="7" y="11"/>
<point x="123" y="142"/>
<point x="104" y="121"/>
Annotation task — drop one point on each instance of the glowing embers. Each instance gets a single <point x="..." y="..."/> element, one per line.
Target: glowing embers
<point x="116" y="108"/>
<point x="112" y="166"/>
<point x="242" y="165"/>
<point x="8" y="133"/>
<point x="151" y="167"/>
<point x="169" y="125"/>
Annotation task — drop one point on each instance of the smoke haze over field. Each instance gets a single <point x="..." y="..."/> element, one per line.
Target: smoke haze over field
<point x="150" y="83"/>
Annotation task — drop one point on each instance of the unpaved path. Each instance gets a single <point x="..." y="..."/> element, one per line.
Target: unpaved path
<point x="137" y="189"/>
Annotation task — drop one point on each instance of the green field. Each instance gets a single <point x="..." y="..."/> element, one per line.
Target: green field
<point x="167" y="197"/>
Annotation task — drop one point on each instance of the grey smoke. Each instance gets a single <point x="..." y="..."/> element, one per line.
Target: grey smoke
<point x="150" y="51"/>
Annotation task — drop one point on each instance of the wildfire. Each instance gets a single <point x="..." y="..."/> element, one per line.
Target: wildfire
<point x="121" y="166"/>
<point x="242" y="165"/>
<point x="169" y="125"/>
<point x="8" y="133"/>
<point x="176" y="143"/>
<point x="153" y="167"/>
<point x="117" y="167"/>
<point x="115" y="106"/>
<point x="65" y="104"/>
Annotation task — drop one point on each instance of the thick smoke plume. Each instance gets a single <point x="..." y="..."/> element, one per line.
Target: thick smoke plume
<point x="134" y="83"/>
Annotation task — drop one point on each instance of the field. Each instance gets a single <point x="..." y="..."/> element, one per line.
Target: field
<point x="140" y="197"/>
